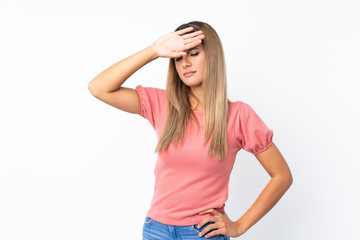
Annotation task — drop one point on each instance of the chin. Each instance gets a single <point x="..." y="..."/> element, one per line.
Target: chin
<point x="192" y="84"/>
<point x="195" y="84"/>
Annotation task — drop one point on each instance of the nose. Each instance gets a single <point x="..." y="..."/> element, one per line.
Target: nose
<point x="186" y="62"/>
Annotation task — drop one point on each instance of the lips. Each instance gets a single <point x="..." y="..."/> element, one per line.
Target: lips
<point x="189" y="74"/>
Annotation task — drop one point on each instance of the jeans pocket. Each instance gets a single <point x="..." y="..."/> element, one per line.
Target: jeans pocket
<point x="217" y="237"/>
<point x="198" y="230"/>
<point x="147" y="220"/>
<point x="193" y="227"/>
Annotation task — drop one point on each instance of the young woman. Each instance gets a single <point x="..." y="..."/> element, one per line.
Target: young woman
<point x="199" y="133"/>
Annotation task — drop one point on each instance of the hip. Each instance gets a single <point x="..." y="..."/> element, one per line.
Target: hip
<point x="154" y="230"/>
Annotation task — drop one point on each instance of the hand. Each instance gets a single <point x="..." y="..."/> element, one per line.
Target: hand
<point x="222" y="222"/>
<point x="174" y="44"/>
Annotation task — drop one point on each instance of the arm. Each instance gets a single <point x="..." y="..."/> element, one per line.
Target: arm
<point x="107" y="85"/>
<point x="113" y="77"/>
<point x="281" y="179"/>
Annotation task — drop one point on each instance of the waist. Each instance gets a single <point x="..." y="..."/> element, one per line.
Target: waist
<point x="182" y="218"/>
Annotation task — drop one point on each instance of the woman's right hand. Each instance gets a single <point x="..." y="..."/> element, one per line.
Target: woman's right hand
<point x="174" y="44"/>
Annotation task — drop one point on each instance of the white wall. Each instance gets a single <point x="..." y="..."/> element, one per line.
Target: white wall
<point x="72" y="167"/>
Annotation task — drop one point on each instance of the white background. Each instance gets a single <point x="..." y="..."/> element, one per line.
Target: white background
<point x="72" y="167"/>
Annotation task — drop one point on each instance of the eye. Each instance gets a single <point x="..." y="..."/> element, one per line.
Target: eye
<point x="194" y="54"/>
<point x="178" y="59"/>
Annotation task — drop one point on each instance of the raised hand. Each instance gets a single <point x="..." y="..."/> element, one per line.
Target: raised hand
<point x="174" y="44"/>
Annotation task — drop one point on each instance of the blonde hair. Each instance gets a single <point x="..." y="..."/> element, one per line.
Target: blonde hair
<point x="215" y="101"/>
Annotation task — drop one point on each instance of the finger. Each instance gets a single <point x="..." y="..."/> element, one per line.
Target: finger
<point x="207" y="229"/>
<point x="206" y="220"/>
<point x="206" y="211"/>
<point x="211" y="210"/>
<point x="190" y="35"/>
<point x="176" y="54"/>
<point x="185" y="30"/>
<point x="192" y="45"/>
<point x="190" y="40"/>
<point x="213" y="233"/>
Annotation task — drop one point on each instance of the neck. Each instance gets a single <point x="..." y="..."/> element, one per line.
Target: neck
<point x="197" y="103"/>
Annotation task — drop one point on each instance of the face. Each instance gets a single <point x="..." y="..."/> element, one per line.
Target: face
<point x="191" y="67"/>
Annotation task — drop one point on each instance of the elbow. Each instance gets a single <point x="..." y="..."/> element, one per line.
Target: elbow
<point x="286" y="177"/>
<point x="285" y="180"/>
<point x="92" y="89"/>
<point x="288" y="180"/>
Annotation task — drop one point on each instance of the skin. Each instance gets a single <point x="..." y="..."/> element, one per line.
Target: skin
<point x="281" y="179"/>
<point x="107" y="86"/>
<point x="193" y="61"/>
<point x="188" y="53"/>
<point x="271" y="159"/>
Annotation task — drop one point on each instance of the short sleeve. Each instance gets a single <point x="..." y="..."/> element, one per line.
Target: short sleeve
<point x="152" y="101"/>
<point x="251" y="132"/>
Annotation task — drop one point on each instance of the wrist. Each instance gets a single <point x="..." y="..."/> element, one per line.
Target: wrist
<point x="241" y="227"/>
<point x="153" y="51"/>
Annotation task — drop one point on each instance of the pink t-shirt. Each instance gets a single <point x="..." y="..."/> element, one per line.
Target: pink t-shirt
<point x="186" y="180"/>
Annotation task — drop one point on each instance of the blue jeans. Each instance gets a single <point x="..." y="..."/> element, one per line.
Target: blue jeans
<point x="154" y="230"/>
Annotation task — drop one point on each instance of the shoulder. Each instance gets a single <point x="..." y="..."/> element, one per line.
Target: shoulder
<point x="242" y="111"/>
<point x="237" y="107"/>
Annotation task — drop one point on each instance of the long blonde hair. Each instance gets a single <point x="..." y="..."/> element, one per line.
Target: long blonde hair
<point x="215" y="101"/>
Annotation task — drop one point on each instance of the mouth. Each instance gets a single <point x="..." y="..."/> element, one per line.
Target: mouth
<point x="189" y="74"/>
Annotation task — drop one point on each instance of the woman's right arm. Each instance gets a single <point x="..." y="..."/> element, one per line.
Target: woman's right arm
<point x="107" y="86"/>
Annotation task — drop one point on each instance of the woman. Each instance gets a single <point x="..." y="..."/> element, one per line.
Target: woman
<point x="194" y="164"/>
